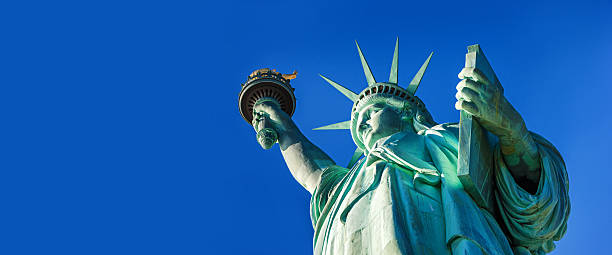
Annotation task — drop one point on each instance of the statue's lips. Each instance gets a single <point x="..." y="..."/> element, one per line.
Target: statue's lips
<point x="365" y="135"/>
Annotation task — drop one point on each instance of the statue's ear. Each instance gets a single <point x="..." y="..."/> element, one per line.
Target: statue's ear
<point x="422" y="120"/>
<point x="418" y="126"/>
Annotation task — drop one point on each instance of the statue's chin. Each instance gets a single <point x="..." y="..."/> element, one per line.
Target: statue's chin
<point x="371" y="139"/>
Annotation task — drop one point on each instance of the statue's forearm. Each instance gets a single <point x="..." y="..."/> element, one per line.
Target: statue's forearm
<point x="305" y="160"/>
<point x="520" y="154"/>
<point x="519" y="150"/>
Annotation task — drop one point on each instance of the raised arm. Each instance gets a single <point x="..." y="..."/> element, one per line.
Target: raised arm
<point x="305" y="160"/>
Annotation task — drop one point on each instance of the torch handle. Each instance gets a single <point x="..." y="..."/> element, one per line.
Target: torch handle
<point x="267" y="136"/>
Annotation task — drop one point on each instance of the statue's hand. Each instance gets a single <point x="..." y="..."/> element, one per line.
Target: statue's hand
<point x="485" y="100"/>
<point x="268" y="115"/>
<point x="305" y="160"/>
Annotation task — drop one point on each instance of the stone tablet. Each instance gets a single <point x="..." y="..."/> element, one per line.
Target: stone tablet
<point x="475" y="162"/>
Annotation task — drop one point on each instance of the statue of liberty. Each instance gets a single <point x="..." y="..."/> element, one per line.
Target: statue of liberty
<point x="402" y="194"/>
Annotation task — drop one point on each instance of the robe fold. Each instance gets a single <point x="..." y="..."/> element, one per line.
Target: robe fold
<point x="400" y="201"/>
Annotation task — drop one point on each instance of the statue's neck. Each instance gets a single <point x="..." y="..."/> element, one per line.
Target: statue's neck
<point x="406" y="140"/>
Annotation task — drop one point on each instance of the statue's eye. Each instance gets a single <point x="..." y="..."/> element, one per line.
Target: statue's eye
<point x="373" y="111"/>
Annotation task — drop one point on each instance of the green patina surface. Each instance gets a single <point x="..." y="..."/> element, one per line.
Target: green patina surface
<point x="485" y="185"/>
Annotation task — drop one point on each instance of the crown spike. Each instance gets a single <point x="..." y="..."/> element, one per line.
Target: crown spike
<point x="355" y="158"/>
<point x="393" y="73"/>
<point x="339" y="125"/>
<point x="366" y="67"/>
<point x="414" y="84"/>
<point x="348" y="93"/>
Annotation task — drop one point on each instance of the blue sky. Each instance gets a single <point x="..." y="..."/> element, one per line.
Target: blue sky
<point x="121" y="132"/>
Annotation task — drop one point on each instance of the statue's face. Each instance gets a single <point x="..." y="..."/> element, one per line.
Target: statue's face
<point x="377" y="121"/>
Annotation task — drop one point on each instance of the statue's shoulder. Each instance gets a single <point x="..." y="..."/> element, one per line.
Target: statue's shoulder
<point x="444" y="129"/>
<point x="445" y="135"/>
<point x="403" y="144"/>
<point x="413" y="145"/>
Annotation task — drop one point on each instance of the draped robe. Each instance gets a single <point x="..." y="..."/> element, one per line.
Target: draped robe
<point x="398" y="201"/>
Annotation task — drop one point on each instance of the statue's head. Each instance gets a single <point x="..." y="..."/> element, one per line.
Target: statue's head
<point x="384" y="108"/>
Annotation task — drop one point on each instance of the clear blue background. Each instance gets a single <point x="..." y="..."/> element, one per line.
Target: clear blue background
<point x="121" y="132"/>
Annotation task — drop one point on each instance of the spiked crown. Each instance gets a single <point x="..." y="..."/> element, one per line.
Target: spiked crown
<point x="377" y="90"/>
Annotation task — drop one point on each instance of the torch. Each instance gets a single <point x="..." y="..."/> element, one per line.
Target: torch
<point x="266" y="85"/>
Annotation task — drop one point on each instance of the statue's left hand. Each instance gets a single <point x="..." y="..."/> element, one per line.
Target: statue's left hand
<point x="485" y="100"/>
